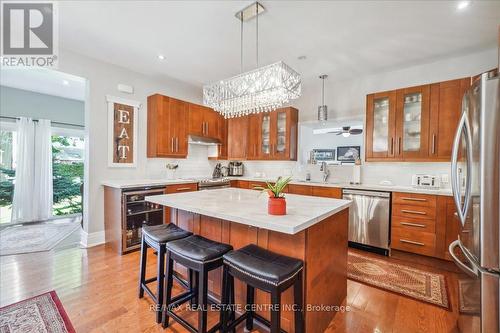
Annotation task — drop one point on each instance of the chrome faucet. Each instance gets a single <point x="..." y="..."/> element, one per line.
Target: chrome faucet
<point x="326" y="172"/>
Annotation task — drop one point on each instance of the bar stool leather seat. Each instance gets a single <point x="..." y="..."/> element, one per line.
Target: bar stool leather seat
<point x="262" y="265"/>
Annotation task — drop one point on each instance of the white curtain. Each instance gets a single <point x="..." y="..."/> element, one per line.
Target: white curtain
<point x="33" y="185"/>
<point x="42" y="187"/>
<point x="22" y="203"/>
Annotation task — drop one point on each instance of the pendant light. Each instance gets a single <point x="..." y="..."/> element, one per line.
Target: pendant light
<point x="323" y="109"/>
<point x="262" y="89"/>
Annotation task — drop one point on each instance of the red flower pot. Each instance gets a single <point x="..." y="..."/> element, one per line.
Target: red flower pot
<point x="276" y="206"/>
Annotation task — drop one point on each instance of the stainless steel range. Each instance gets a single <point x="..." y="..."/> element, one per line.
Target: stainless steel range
<point x="213" y="183"/>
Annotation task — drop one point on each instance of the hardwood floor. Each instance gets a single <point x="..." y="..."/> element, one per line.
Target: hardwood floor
<point x="98" y="289"/>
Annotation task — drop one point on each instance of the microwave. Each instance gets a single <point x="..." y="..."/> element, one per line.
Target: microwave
<point x="323" y="155"/>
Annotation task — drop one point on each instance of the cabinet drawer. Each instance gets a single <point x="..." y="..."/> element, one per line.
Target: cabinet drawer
<point x="418" y="225"/>
<point x="417" y="212"/>
<point x="300" y="189"/>
<point x="414" y="199"/>
<point x="413" y="241"/>
<point x="327" y="192"/>
<point x="181" y="188"/>
<point x="253" y="185"/>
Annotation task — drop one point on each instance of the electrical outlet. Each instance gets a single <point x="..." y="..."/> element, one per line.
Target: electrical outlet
<point x="444" y="178"/>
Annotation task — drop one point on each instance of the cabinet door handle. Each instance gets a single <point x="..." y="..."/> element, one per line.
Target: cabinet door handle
<point x="392" y="146"/>
<point x="413" y="199"/>
<point x="411" y="242"/>
<point x="413" y="212"/>
<point x="182" y="189"/>
<point x="413" y="224"/>
<point x="172" y="144"/>
<point x="433" y="144"/>
<point x="207" y="128"/>
<point x="399" y="146"/>
<point x="176" y="145"/>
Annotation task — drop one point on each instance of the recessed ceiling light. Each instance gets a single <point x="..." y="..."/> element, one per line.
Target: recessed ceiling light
<point x="65" y="82"/>
<point x="462" y="5"/>
<point x="161" y="57"/>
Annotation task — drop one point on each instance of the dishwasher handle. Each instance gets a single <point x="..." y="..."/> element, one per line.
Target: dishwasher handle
<point x="367" y="193"/>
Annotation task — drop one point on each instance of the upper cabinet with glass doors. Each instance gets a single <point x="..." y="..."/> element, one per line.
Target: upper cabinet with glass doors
<point x="273" y="135"/>
<point x="413" y="124"/>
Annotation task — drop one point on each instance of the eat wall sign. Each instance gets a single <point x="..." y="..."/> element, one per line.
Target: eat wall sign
<point x="122" y="132"/>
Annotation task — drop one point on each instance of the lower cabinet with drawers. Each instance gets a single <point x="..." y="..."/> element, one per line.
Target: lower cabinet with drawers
<point x="423" y="224"/>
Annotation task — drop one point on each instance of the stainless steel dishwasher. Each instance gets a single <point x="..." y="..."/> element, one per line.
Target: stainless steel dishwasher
<point x="369" y="220"/>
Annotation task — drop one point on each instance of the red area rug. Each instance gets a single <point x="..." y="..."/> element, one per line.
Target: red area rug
<point x="42" y="313"/>
<point x="408" y="281"/>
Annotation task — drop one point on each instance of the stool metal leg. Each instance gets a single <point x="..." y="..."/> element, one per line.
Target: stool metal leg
<point x="168" y="290"/>
<point x="160" y="281"/>
<point x="299" y="304"/>
<point x="142" y="269"/>
<point x="250" y="303"/>
<point x="202" y="301"/>
<point x="275" y="311"/>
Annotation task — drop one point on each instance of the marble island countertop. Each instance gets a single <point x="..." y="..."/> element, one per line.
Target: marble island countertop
<point x="250" y="208"/>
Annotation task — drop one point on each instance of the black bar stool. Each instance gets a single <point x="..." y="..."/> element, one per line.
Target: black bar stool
<point x="268" y="271"/>
<point x="157" y="237"/>
<point x="200" y="255"/>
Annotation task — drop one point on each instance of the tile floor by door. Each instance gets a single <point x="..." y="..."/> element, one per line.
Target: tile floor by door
<point x="98" y="289"/>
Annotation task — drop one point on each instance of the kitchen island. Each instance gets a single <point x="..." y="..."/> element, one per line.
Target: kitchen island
<point x="314" y="230"/>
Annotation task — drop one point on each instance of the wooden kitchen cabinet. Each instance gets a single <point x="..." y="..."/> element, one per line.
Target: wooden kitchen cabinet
<point x="222" y="148"/>
<point x="237" y="138"/>
<point x="283" y="135"/>
<point x="445" y="111"/>
<point x="412" y="123"/>
<point x="415" y="123"/>
<point x="380" y="126"/>
<point x="273" y="135"/>
<point x="300" y="189"/>
<point x="177" y="188"/>
<point x="203" y="121"/>
<point x="254" y="136"/>
<point x="327" y="192"/>
<point x="167" y="127"/>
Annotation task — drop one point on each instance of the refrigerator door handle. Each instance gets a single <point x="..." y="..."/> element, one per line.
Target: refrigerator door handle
<point x="473" y="272"/>
<point x="463" y="127"/>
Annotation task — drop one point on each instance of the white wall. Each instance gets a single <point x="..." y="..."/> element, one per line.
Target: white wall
<point x="23" y="103"/>
<point x="102" y="80"/>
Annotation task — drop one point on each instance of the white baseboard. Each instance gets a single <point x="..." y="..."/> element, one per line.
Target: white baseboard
<point x="93" y="238"/>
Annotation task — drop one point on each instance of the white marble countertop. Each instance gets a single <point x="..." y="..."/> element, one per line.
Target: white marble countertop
<point x="249" y="207"/>
<point x="373" y="187"/>
<point x="129" y="183"/>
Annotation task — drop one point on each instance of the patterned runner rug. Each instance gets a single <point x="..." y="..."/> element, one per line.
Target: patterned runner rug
<point x="415" y="283"/>
<point x="42" y="313"/>
<point x="36" y="237"/>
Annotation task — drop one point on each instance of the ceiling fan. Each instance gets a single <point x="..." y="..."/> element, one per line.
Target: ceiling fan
<point x="345" y="131"/>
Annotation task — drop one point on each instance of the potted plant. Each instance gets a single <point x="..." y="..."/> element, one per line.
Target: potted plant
<point x="276" y="204"/>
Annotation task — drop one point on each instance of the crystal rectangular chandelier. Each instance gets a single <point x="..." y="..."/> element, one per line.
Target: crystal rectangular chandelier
<point x="261" y="90"/>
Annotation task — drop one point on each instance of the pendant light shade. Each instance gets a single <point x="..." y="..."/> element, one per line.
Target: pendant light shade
<point x="323" y="109"/>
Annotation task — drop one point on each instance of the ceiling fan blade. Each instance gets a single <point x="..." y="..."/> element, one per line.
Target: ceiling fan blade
<point x="355" y="131"/>
<point x="338" y="133"/>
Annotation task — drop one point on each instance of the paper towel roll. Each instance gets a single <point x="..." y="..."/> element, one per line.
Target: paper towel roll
<point x="356" y="174"/>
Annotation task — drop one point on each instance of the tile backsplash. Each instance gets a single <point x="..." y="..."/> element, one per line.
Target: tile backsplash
<point x="198" y="165"/>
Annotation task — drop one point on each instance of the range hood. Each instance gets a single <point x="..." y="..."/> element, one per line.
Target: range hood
<point x="203" y="141"/>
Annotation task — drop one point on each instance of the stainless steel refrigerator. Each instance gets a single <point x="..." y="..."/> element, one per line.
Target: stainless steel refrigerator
<point x="475" y="177"/>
